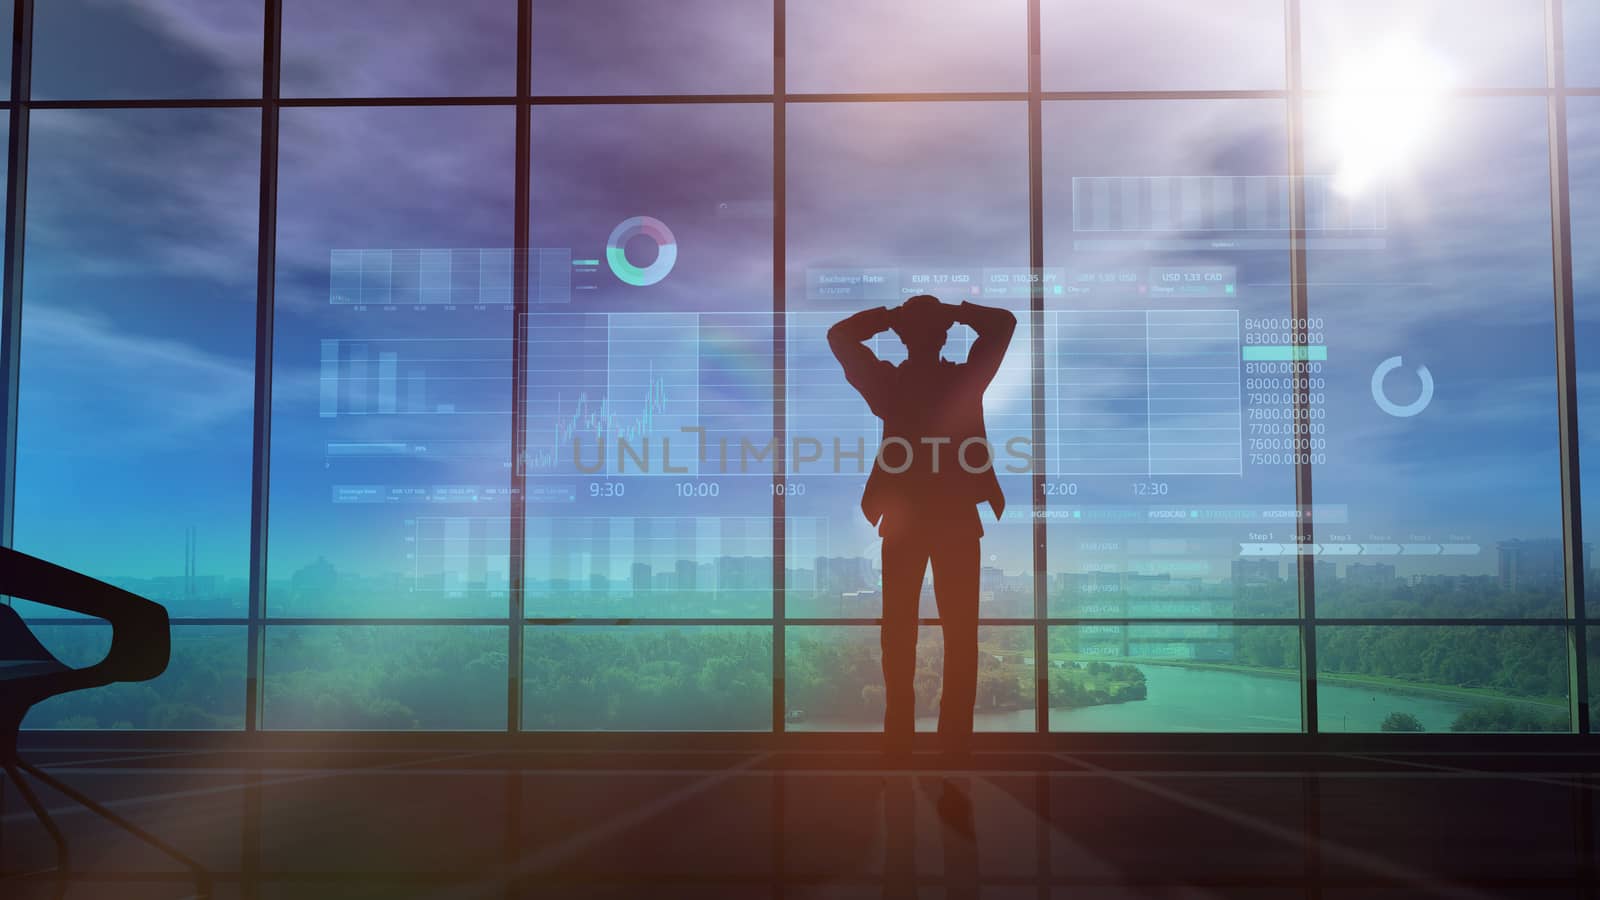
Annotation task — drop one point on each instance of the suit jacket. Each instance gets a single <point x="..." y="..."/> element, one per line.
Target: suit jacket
<point x="943" y="403"/>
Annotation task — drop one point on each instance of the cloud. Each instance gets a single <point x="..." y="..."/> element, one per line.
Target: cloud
<point x="1237" y="46"/>
<point x="934" y="45"/>
<point x="147" y="391"/>
<point x="377" y="178"/>
<point x="155" y="391"/>
<point x="141" y="192"/>
<point x="222" y="31"/>
<point x="388" y="48"/>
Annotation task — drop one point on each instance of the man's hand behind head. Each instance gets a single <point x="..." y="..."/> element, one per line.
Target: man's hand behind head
<point x="924" y="311"/>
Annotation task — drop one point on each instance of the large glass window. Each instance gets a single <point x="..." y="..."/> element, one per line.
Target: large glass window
<point x="856" y="46"/>
<point x="384" y="678"/>
<point x="1127" y="677"/>
<point x="144" y="49"/>
<point x="649" y="366"/>
<point x="683" y="47"/>
<point x="1582" y="21"/>
<point x="1583" y="151"/>
<point x="1170" y="491"/>
<point x="865" y="230"/>
<point x="1400" y="47"/>
<point x="1420" y="678"/>
<point x="384" y="48"/>
<point x="649" y="347"/>
<point x="7" y="19"/>
<point x="1161" y="45"/>
<point x="391" y="452"/>
<point x="834" y="679"/>
<point x="138" y="351"/>
<point x="641" y="678"/>
<point x="202" y="688"/>
<point x="1442" y="453"/>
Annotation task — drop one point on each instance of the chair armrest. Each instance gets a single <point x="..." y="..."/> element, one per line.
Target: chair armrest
<point x="141" y="640"/>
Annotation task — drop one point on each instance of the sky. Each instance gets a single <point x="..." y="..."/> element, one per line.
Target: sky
<point x="137" y="363"/>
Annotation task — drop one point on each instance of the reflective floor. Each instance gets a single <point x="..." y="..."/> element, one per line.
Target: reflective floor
<point x="709" y="825"/>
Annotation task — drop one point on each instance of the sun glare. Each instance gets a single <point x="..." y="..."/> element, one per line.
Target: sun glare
<point x="1384" y="110"/>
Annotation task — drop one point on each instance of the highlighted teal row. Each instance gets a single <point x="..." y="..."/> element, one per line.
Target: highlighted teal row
<point x="1287" y="353"/>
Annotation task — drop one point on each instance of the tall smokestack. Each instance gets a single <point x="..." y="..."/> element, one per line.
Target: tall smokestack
<point x="191" y="539"/>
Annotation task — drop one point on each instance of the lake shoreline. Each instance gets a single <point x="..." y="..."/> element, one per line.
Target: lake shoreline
<point x="1380" y="683"/>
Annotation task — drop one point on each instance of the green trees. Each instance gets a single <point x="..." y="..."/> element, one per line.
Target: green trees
<point x="385" y="678"/>
<point x="1522" y="662"/>
<point x="647" y="679"/>
<point x="1401" y="721"/>
<point x="1502" y="716"/>
<point x="203" y="687"/>
<point x="1480" y="595"/>
<point x="1078" y="684"/>
<point x="1271" y="648"/>
<point x="720" y="677"/>
<point x="834" y="674"/>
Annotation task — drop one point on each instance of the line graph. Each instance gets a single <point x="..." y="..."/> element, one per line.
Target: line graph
<point x="603" y="418"/>
<point x="596" y="421"/>
<point x="597" y="379"/>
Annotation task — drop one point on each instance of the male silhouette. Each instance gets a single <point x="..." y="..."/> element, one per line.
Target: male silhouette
<point x="933" y="468"/>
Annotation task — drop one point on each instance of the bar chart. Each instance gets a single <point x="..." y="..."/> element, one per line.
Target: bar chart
<point x="414" y="377"/>
<point x="461" y="554"/>
<point x="1167" y="203"/>
<point x="451" y="276"/>
<point x="649" y="565"/>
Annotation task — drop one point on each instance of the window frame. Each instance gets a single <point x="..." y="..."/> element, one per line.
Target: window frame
<point x="1293" y="94"/>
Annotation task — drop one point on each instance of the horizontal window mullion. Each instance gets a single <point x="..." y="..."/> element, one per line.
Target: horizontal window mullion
<point x="150" y="103"/>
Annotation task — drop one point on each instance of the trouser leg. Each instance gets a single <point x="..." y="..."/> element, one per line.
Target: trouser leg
<point x="955" y="587"/>
<point x="905" y="560"/>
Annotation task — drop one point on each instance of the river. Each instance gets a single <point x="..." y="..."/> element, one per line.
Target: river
<point x="1185" y="699"/>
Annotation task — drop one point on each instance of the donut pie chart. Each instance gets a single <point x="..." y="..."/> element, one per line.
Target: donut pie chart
<point x="655" y="230"/>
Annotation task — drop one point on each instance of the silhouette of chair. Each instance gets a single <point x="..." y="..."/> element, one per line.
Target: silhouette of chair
<point x="141" y="644"/>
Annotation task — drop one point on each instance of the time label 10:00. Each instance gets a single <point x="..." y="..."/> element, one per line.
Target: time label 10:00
<point x="680" y="488"/>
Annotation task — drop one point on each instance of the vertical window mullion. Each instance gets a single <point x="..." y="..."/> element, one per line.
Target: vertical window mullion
<point x="1566" y="369"/>
<point x="1305" y="565"/>
<point x="266" y="284"/>
<point x="518" y="536"/>
<point x="1041" y="574"/>
<point x="16" y="215"/>
<point x="779" y="362"/>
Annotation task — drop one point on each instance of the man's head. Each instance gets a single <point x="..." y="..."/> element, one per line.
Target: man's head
<point x="921" y="323"/>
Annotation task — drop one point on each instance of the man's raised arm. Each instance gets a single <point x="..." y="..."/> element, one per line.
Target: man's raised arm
<point x="994" y="327"/>
<point x="862" y="367"/>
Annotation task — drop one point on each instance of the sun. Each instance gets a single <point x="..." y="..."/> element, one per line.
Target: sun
<point x="1384" y="109"/>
